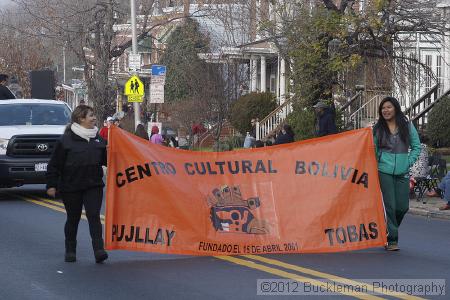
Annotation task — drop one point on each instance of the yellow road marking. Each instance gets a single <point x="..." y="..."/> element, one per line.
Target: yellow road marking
<point x="325" y="276"/>
<point x="292" y="276"/>
<point x="58" y="206"/>
<point x="55" y="205"/>
<point x="38" y="202"/>
<point x="102" y="217"/>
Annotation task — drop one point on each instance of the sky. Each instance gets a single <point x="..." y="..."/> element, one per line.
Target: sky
<point x="3" y="2"/>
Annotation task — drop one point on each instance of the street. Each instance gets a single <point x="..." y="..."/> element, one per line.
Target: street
<point x="32" y="266"/>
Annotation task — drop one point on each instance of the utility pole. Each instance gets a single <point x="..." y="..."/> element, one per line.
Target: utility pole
<point x="137" y="111"/>
<point x="64" y="63"/>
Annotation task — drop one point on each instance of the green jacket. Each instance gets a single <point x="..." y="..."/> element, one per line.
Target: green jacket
<point x="394" y="157"/>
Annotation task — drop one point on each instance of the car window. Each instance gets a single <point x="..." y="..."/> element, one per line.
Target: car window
<point x="168" y="131"/>
<point x="34" y="114"/>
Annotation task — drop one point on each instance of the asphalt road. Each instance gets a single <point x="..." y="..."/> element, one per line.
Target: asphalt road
<point x="32" y="266"/>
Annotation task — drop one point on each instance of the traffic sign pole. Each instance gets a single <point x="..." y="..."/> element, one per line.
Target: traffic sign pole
<point x="137" y="110"/>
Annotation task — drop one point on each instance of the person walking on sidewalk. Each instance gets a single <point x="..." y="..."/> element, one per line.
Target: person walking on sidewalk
<point x="444" y="187"/>
<point x="75" y="171"/>
<point x="394" y="136"/>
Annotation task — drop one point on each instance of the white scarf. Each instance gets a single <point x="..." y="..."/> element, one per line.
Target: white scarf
<point x="84" y="133"/>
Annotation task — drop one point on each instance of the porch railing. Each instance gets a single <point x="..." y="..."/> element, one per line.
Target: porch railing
<point x="269" y="124"/>
<point x="418" y="113"/>
<point x="367" y="113"/>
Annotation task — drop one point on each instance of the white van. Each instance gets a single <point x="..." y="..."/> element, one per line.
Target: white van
<point x="29" y="130"/>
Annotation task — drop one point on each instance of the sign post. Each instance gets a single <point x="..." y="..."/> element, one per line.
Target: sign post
<point x="137" y="110"/>
<point x="157" y="84"/>
<point x="134" y="62"/>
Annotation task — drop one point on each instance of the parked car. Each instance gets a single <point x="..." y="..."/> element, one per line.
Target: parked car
<point x="29" y="130"/>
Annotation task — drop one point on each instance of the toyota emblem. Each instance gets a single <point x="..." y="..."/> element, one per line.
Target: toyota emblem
<point x="42" y="147"/>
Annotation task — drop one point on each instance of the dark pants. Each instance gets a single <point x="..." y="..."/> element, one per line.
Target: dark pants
<point x="73" y="202"/>
<point x="395" y="191"/>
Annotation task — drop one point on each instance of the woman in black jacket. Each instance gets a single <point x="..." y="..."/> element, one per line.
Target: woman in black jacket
<point x="75" y="171"/>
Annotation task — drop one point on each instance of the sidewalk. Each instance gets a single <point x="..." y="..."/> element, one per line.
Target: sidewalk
<point x="429" y="209"/>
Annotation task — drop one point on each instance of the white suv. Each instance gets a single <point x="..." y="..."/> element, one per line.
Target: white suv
<point x="29" y="130"/>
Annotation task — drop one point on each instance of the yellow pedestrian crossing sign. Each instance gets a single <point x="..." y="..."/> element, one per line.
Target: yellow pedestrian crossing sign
<point x="134" y="89"/>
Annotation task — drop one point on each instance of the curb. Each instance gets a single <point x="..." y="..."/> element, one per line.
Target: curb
<point x="429" y="214"/>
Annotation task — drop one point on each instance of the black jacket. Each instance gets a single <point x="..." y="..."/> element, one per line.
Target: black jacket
<point x="5" y="93"/>
<point x="76" y="164"/>
<point x="327" y="123"/>
<point x="253" y="132"/>
<point x="284" y="138"/>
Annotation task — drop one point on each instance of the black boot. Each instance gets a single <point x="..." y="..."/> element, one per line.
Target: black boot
<point x="99" y="253"/>
<point x="71" y="251"/>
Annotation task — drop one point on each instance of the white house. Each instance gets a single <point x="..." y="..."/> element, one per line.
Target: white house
<point x="433" y="51"/>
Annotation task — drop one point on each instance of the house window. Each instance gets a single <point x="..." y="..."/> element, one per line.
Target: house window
<point x="116" y="65"/>
<point x="402" y="82"/>
<point x="439" y="77"/>
<point x="273" y="84"/>
<point x="362" y="6"/>
<point x="428" y="74"/>
<point x="412" y="77"/>
<point x="124" y="62"/>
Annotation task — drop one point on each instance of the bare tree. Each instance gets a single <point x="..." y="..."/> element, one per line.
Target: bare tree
<point x="348" y="33"/>
<point x="186" y="113"/>
<point x="86" y="27"/>
<point x="17" y="57"/>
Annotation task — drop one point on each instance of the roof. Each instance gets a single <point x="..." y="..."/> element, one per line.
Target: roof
<point x="31" y="101"/>
<point x="443" y="4"/>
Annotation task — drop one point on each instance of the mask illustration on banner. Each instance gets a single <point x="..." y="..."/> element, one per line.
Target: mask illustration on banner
<point x="230" y="213"/>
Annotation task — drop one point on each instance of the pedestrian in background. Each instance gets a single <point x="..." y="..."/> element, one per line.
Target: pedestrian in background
<point x="173" y="142"/>
<point x="285" y="136"/>
<point x="104" y="131"/>
<point x="5" y="93"/>
<point x="325" y="119"/>
<point x="155" y="137"/>
<point x="394" y="136"/>
<point x="444" y="189"/>
<point x="253" y="129"/>
<point x="116" y="122"/>
<point x="75" y="171"/>
<point x="141" y="132"/>
<point x="127" y="122"/>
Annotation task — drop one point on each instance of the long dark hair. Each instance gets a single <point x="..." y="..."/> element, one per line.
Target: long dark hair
<point x="381" y="128"/>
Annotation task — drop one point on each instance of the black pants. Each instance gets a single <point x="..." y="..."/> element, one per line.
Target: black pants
<point x="73" y="202"/>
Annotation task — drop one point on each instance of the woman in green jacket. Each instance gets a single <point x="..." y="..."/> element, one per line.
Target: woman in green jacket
<point x="394" y="136"/>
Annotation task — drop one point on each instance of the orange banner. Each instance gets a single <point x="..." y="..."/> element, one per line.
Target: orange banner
<point x="319" y="195"/>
